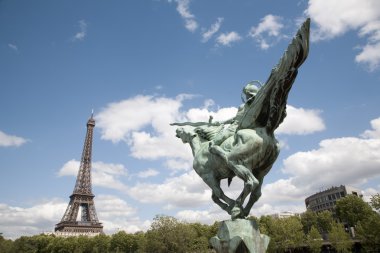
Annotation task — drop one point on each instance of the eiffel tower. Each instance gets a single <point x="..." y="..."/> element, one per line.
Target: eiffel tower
<point x="82" y="199"/>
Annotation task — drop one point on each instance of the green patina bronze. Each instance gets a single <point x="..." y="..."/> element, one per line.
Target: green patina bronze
<point x="239" y="235"/>
<point x="245" y="146"/>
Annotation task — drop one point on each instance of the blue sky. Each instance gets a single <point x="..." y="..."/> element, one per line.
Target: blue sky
<point x="144" y="64"/>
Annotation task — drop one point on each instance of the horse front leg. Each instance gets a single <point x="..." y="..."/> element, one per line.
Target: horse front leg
<point x="220" y="203"/>
<point x="218" y="194"/>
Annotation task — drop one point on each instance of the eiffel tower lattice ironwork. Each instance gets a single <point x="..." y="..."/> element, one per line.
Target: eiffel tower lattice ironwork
<point x="82" y="199"/>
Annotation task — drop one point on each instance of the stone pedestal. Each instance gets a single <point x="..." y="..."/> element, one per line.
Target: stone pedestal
<point x="239" y="236"/>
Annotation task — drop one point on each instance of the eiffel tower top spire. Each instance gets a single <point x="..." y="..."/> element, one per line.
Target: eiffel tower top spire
<point x="83" y="183"/>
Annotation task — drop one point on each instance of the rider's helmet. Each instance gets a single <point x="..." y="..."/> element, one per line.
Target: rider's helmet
<point x="251" y="89"/>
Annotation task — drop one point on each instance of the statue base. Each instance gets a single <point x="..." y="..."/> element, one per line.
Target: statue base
<point x="239" y="236"/>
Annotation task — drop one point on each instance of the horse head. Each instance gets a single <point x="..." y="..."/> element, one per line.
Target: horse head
<point x="186" y="135"/>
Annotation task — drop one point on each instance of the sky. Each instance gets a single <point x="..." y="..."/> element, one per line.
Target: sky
<point x="141" y="65"/>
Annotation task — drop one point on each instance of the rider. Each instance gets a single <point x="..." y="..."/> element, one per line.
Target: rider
<point x="250" y="91"/>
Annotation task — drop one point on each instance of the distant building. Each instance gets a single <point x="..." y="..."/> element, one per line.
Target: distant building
<point x="326" y="200"/>
<point x="285" y="214"/>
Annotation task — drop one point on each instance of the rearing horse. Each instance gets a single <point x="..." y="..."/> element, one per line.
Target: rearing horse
<point x="250" y="149"/>
<point x="250" y="153"/>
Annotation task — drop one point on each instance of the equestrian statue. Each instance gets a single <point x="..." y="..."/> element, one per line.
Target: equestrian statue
<point x="245" y="146"/>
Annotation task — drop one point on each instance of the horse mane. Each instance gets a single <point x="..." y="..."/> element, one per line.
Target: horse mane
<point x="207" y="132"/>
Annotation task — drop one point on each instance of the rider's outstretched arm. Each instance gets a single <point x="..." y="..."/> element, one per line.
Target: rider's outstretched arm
<point x="195" y="124"/>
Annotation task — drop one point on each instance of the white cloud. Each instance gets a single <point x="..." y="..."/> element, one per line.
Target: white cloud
<point x="370" y="55"/>
<point x="203" y="114"/>
<point x="183" y="10"/>
<point x="127" y="119"/>
<point x="116" y="214"/>
<point x="375" y="132"/>
<point x="212" y="30"/>
<point x="301" y="121"/>
<point x="13" y="47"/>
<point x="268" y="31"/>
<point x="148" y="173"/>
<point x="109" y="206"/>
<point x="191" y="25"/>
<point x="113" y="212"/>
<point x="11" y="140"/>
<point x="187" y="190"/>
<point x="334" y="18"/>
<point x="103" y="174"/>
<point x="164" y="145"/>
<point x="281" y="192"/>
<point x="130" y="225"/>
<point x="267" y="209"/>
<point x="79" y="36"/>
<point x="18" y="221"/>
<point x="120" y="119"/>
<point x="204" y="216"/>
<point x="369" y="192"/>
<point x="214" y="213"/>
<point x="226" y="39"/>
<point x="70" y="168"/>
<point x="178" y="164"/>
<point x="347" y="160"/>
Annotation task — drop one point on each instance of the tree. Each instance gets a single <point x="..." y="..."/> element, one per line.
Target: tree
<point x="314" y="240"/>
<point x="375" y="201"/>
<point x="123" y="242"/>
<point x="286" y="234"/>
<point x="267" y="226"/>
<point x="213" y="229"/>
<point x="368" y="231"/>
<point x="101" y="243"/>
<point x="62" y="245"/>
<point x="167" y="234"/>
<point x="41" y="242"/>
<point x="292" y="232"/>
<point x="5" y="245"/>
<point x="203" y="235"/>
<point x="339" y="239"/>
<point x="324" y="221"/>
<point x="84" y="244"/>
<point x="140" y="238"/>
<point x="352" y="209"/>
<point x="24" y="244"/>
<point x="308" y="220"/>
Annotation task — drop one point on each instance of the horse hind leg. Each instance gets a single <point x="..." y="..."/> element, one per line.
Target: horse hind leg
<point x="255" y="195"/>
<point x="250" y="184"/>
<point x="250" y="181"/>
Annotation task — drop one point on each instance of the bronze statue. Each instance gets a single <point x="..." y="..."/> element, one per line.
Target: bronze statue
<point x="245" y="146"/>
